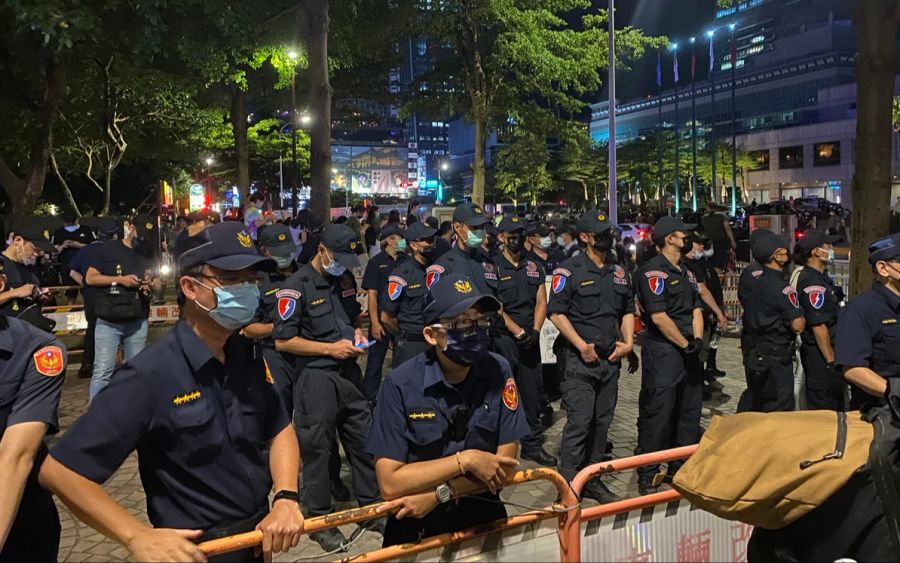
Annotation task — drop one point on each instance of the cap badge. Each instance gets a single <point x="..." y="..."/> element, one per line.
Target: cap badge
<point x="282" y="237"/>
<point x="149" y="226"/>
<point x="463" y="286"/>
<point x="47" y="235"/>
<point x="476" y="209"/>
<point x="515" y="219"/>
<point x="244" y="238"/>
<point x="601" y="217"/>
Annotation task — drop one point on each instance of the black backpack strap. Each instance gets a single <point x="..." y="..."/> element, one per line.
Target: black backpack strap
<point x="883" y="473"/>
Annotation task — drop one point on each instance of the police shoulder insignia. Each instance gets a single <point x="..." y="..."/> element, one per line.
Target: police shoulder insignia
<point x="186" y="398"/>
<point x="49" y="361"/>
<point x="619" y="272"/>
<point x="397" y="279"/>
<point x="889" y="321"/>
<point x="756" y="273"/>
<point x="244" y="239"/>
<point x="656" y="283"/>
<point x="292" y="293"/>
<point x="792" y="295"/>
<point x="559" y="280"/>
<point x="511" y="395"/>
<point x="562" y="272"/>
<point x="816" y="295"/>
<point x="656" y="274"/>
<point x="421" y="414"/>
<point x="432" y="275"/>
<point x="587" y="282"/>
<point x="287" y="306"/>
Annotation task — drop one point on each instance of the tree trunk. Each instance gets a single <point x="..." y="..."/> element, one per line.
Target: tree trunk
<point x="876" y="23"/>
<point x="315" y="23"/>
<point x="584" y="188"/>
<point x="107" y="191"/>
<point x="478" y="163"/>
<point x="24" y="193"/>
<point x="241" y="145"/>
<point x="64" y="185"/>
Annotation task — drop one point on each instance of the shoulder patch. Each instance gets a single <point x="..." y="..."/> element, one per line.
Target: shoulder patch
<point x="619" y="272"/>
<point x="756" y="273"/>
<point x="562" y="272"/>
<point x="286" y="307"/>
<point x="49" y="361"/>
<point x="656" y="274"/>
<point x="792" y="295"/>
<point x="511" y="395"/>
<point x="292" y="293"/>
<point x="559" y="280"/>
<point x="816" y="295"/>
<point x="432" y="275"/>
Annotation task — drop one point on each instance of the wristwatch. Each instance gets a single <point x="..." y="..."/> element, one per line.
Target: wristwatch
<point x="285" y="494"/>
<point x="444" y="493"/>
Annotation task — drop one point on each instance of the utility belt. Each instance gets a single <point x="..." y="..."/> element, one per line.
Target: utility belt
<point x="231" y="528"/>
<point x="761" y="353"/>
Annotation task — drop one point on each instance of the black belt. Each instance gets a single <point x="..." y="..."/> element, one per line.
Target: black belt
<point x="412" y="336"/>
<point x="226" y="529"/>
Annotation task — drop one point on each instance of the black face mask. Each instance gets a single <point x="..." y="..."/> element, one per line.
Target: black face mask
<point x="515" y="244"/>
<point x="603" y="242"/>
<point x="428" y="253"/>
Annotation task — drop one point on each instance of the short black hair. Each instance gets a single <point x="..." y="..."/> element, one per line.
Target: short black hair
<point x="446" y="227"/>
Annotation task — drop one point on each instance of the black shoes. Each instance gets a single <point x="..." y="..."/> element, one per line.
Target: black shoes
<point x="546" y="415"/>
<point x="329" y="540"/>
<point x="598" y="491"/>
<point x="645" y="485"/>
<point x="377" y="525"/>
<point x="540" y="456"/>
<point x="714" y="372"/>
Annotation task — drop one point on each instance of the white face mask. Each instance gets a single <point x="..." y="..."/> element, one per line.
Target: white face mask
<point x="545" y="242"/>
<point x="560" y="241"/>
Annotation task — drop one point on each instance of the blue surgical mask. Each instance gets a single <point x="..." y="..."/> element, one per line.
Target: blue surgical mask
<point x="545" y="243"/>
<point x="335" y="269"/>
<point x="830" y="258"/>
<point x="283" y="261"/>
<point x="465" y="347"/>
<point x="401" y="245"/>
<point x="474" y="238"/>
<point x="235" y="304"/>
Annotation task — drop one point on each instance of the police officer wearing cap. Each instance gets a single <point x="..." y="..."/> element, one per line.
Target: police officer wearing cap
<point x="825" y="386"/>
<point x="773" y="319"/>
<point x="316" y="331"/>
<point x="212" y="436"/>
<point x="403" y="298"/>
<point x="592" y="305"/>
<point x="32" y="369"/>
<point x="523" y="295"/>
<point x="374" y="283"/>
<point x="867" y="341"/>
<point x="539" y="247"/>
<point x="671" y="386"/>
<point x="747" y="282"/>
<point x="447" y="421"/>
<point x="18" y="259"/>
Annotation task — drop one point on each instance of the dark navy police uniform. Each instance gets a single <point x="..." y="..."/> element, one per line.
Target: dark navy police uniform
<point x="200" y="429"/>
<point x="671" y="385"/>
<point x="421" y="417"/>
<point x="32" y="370"/>
<point x="375" y="278"/>
<point x="280" y="367"/>
<point x="404" y="298"/>
<point x="326" y="392"/>
<point x="594" y="299"/>
<point x="824" y="385"/>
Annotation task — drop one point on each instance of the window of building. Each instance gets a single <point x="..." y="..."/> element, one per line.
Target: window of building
<point x="827" y="154"/>
<point x="760" y="159"/>
<point x="790" y="157"/>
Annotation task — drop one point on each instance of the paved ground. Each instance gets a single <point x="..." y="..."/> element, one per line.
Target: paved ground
<point x="80" y="543"/>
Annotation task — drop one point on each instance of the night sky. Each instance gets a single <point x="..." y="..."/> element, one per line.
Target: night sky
<point x="677" y="19"/>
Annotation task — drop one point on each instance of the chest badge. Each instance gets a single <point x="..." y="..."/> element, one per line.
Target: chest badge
<point x="49" y="361"/>
<point x="816" y="296"/>
<point x="421" y="415"/>
<point x="511" y="395"/>
<point x="186" y="398"/>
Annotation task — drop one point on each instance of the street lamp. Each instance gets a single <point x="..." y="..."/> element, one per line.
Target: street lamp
<point x="305" y="119"/>
<point x="209" y="162"/>
<point x="293" y="55"/>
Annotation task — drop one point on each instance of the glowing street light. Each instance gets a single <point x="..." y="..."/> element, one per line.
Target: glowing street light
<point x="209" y="161"/>
<point x="444" y="166"/>
<point x="710" y="33"/>
<point x="293" y="55"/>
<point x="305" y="119"/>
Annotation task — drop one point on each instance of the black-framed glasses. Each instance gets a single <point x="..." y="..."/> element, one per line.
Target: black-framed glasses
<point x="466" y="325"/>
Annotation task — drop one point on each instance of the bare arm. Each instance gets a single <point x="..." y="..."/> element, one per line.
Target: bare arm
<point x="258" y="331"/>
<point x="798" y="324"/>
<point x="77" y="277"/>
<point x="707" y="297"/>
<point x="390" y="321"/>
<point x="666" y="325"/>
<point x="564" y="325"/>
<point x="697" y="324"/>
<point x="18" y="447"/>
<point x="17" y="293"/>
<point x="540" y="308"/>
<point x="867" y="380"/>
<point x="511" y="325"/>
<point x="823" y="341"/>
<point x="284" y="459"/>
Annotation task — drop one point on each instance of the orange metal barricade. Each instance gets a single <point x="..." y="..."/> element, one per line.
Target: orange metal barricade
<point x="568" y="531"/>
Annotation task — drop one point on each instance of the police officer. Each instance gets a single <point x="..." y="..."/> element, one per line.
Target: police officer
<point x="18" y="259"/>
<point x="539" y="247"/>
<point x="212" y="434"/>
<point x="747" y="282"/>
<point x="825" y="384"/>
<point x="670" y="398"/>
<point x="316" y="330"/>
<point x="447" y="421"/>
<point x="773" y="318"/>
<point x="592" y="305"/>
<point x="403" y="298"/>
<point x="374" y="283"/>
<point x="867" y="341"/>
<point x="32" y="369"/>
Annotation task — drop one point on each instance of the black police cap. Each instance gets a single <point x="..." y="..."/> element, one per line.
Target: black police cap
<point x="885" y="249"/>
<point x="667" y="225"/>
<point x="766" y="243"/>
<point x="471" y="214"/>
<point x="391" y="230"/>
<point x="344" y="243"/>
<point x="594" y="222"/>
<point x="419" y="231"/>
<point x="510" y="224"/>
<point x="36" y="234"/>
<point x="277" y="239"/>
<point x="815" y="238"/>
<point x="226" y="246"/>
<point x="454" y="294"/>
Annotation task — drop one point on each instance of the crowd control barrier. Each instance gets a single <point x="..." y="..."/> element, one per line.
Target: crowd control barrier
<point x="566" y="511"/>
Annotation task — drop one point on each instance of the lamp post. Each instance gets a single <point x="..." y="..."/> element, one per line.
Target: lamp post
<point x="677" y="155"/>
<point x="715" y="194"/>
<point x="613" y="195"/>
<point x="209" y="162"/>
<point x="293" y="56"/>
<point x="693" y="127"/>
<point x="733" y="126"/>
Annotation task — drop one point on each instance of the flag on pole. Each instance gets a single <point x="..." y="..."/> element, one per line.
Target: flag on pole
<point x="712" y="56"/>
<point x="658" y="70"/>
<point x="675" y="64"/>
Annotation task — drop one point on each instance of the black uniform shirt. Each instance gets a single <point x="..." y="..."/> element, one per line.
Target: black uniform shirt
<point x="518" y="287"/>
<point x="868" y="332"/>
<point x="594" y="299"/>
<point x="271" y="301"/>
<point x="815" y="290"/>
<point x="32" y="370"/>
<point x="200" y="429"/>
<point x="747" y="283"/>
<point x="665" y="288"/>
<point x="313" y="311"/>
<point x="699" y="268"/>
<point x="475" y="264"/>
<point x="404" y="296"/>
<point x="417" y="408"/>
<point x="17" y="275"/>
<point x="554" y="259"/>
<point x="774" y="305"/>
<point x="346" y="289"/>
<point x="378" y="269"/>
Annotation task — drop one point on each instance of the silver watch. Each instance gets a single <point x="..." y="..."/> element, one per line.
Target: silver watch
<point x="444" y="493"/>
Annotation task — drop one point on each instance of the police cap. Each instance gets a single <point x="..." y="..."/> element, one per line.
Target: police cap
<point x="766" y="243"/>
<point x="226" y="246"/>
<point x="277" y="239"/>
<point x="510" y="224"/>
<point x="885" y="249"/>
<point x="593" y="222"/>
<point x="453" y="295"/>
<point x="391" y="230"/>
<point x="471" y="214"/>
<point x="344" y="243"/>
<point x="667" y="225"/>
<point x="419" y="231"/>
<point x="814" y="239"/>
<point x="36" y="234"/>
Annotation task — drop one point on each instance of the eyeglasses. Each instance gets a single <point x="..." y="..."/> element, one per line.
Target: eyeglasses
<point x="466" y="325"/>
<point x="255" y="279"/>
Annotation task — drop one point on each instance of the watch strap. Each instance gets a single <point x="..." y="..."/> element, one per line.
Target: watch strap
<point x="285" y="494"/>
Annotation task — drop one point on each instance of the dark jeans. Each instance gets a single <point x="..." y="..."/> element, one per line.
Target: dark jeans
<point x="375" y="356"/>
